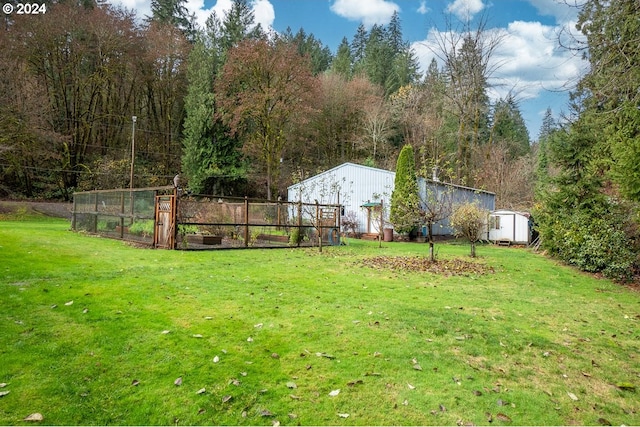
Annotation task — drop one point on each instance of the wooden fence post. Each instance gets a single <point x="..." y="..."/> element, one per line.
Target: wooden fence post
<point x="246" y="221"/>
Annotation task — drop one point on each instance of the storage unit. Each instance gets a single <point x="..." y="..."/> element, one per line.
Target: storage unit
<point x="511" y="227"/>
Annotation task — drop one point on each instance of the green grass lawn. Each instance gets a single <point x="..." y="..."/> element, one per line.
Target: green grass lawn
<point x="96" y="332"/>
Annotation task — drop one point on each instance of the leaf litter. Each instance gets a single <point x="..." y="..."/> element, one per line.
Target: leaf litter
<point x="446" y="267"/>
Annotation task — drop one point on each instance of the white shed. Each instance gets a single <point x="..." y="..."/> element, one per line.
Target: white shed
<point x="511" y="226"/>
<point x="356" y="187"/>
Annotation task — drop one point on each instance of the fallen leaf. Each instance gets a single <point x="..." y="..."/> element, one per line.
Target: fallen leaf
<point x="275" y="355"/>
<point x="266" y="413"/>
<point x="373" y="374"/>
<point x="411" y="387"/>
<point x="477" y="392"/>
<point x="377" y="354"/>
<point x="135" y="383"/>
<point x="227" y="398"/>
<point x="417" y="367"/>
<point x="178" y="381"/>
<point x="442" y="408"/>
<point x="503" y="417"/>
<point x="197" y="336"/>
<point x="334" y="392"/>
<point x="54" y="306"/>
<point x="293" y="416"/>
<point x="343" y="415"/>
<point x="201" y="411"/>
<point x="235" y="382"/>
<point x="208" y="318"/>
<point x="502" y="402"/>
<point x="85" y="311"/>
<point x="294" y="397"/>
<point x="165" y="332"/>
<point x="216" y="359"/>
<point x="291" y="384"/>
<point x="572" y="396"/>
<point x="626" y="386"/>
<point x="201" y="391"/>
<point x="604" y="422"/>
<point x="406" y="402"/>
<point x="354" y="382"/>
<point x="68" y="303"/>
<point x="259" y="325"/>
<point x="34" y="417"/>
<point x="249" y="339"/>
<point x="3" y="385"/>
<point x="276" y="423"/>
<point x="489" y="417"/>
<point x="244" y="374"/>
<point x="4" y="393"/>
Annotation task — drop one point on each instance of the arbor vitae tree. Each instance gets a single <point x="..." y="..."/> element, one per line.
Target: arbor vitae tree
<point x="262" y="89"/>
<point x="405" y="202"/>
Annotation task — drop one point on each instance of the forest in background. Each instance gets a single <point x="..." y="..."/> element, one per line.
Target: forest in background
<point x="240" y="110"/>
<point x="74" y="77"/>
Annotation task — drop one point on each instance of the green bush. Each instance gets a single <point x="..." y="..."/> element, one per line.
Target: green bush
<point x="591" y="243"/>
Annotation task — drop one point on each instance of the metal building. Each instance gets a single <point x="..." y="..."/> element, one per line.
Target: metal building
<point x="360" y="190"/>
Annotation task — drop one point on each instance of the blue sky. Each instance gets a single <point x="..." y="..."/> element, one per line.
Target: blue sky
<point x="529" y="61"/>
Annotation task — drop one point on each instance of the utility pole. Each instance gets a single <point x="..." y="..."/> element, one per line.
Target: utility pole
<point x="133" y="149"/>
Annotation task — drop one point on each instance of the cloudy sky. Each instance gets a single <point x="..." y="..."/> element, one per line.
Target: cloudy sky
<point x="529" y="61"/>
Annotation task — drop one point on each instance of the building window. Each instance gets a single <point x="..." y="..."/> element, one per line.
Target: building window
<point x="496" y="222"/>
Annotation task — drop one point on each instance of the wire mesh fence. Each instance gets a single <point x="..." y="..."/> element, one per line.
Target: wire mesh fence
<point x="121" y="214"/>
<point x="211" y="222"/>
<point x="204" y="222"/>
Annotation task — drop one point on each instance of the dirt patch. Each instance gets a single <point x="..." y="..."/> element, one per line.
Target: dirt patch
<point x="448" y="267"/>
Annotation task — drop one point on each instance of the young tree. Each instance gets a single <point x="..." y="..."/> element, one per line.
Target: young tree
<point x="264" y="87"/>
<point x="405" y="203"/>
<point x="469" y="221"/>
<point x="436" y="204"/>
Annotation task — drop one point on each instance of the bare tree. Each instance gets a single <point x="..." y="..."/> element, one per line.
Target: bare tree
<point x="467" y="53"/>
<point x="436" y="204"/>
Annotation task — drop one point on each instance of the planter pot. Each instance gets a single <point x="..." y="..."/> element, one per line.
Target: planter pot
<point x="200" y="239"/>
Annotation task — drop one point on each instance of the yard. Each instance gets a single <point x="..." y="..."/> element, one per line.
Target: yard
<point x="98" y="332"/>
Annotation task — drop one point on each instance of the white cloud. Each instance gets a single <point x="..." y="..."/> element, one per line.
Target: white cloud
<point x="465" y="9"/>
<point x="562" y="11"/>
<point x="423" y="9"/>
<point x="263" y="11"/>
<point x="370" y="12"/>
<point x="528" y="61"/>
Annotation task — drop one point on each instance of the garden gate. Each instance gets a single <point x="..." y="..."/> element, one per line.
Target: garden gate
<point x="165" y="227"/>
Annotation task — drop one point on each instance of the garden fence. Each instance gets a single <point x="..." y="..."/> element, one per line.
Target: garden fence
<point x="161" y="217"/>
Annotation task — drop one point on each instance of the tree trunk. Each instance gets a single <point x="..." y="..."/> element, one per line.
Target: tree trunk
<point x="473" y="249"/>
<point x="432" y="257"/>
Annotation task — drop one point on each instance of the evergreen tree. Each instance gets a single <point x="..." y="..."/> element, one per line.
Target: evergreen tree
<point x="508" y="127"/>
<point x="405" y="200"/>
<point x="174" y="13"/>
<point x="547" y="129"/>
<point x="341" y="64"/>
<point x="307" y="44"/>
<point x="211" y="161"/>
<point x="358" y="49"/>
